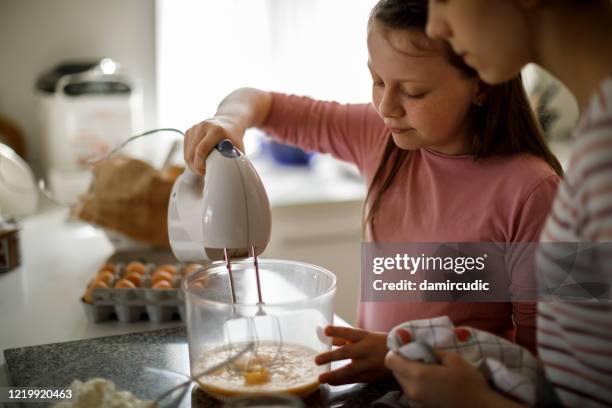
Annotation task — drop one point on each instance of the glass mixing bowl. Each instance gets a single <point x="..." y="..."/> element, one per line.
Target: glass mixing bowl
<point x="287" y="330"/>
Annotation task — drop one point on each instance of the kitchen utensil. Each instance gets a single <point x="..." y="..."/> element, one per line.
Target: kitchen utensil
<point x="299" y="295"/>
<point x="227" y="209"/>
<point x="228" y="215"/>
<point x="194" y="378"/>
<point x="251" y="326"/>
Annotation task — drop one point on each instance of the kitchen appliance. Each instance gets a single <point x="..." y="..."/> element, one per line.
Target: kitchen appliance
<point x="85" y="108"/>
<point x="225" y="216"/>
<point x="227" y="210"/>
<point x="229" y="216"/>
<point x="18" y="190"/>
<point x="18" y="198"/>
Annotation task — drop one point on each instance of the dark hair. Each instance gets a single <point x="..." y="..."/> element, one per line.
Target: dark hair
<point x="505" y="124"/>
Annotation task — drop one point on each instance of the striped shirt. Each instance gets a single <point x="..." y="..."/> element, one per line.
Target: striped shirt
<point x="575" y="338"/>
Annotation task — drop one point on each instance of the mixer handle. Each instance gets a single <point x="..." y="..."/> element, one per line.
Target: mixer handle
<point x="225" y="147"/>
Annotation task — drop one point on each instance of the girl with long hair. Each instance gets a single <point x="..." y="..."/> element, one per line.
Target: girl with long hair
<point x="445" y="157"/>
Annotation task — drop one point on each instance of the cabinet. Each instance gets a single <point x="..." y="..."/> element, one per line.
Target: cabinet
<point x="325" y="234"/>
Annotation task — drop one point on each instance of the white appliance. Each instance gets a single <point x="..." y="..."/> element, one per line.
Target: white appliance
<point x="86" y="108"/>
<point x="18" y="198"/>
<point x="227" y="209"/>
<point x="18" y="190"/>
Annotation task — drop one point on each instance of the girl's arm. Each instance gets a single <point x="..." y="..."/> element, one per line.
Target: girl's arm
<point x="241" y="109"/>
<point x="350" y="132"/>
<point x="248" y="107"/>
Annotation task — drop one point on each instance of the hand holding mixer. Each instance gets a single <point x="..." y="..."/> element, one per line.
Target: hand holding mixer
<point x="225" y="215"/>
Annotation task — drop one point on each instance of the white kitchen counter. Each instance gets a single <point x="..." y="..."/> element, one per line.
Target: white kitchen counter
<point x="39" y="301"/>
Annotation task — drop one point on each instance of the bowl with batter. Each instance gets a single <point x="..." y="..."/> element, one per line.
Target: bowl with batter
<point x="300" y="296"/>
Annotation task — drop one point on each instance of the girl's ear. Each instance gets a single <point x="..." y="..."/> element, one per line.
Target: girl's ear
<point x="482" y="92"/>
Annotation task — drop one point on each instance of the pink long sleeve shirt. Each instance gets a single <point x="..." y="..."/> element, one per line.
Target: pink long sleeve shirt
<point x="434" y="198"/>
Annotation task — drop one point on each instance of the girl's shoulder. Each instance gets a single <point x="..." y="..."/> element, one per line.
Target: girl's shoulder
<point x="523" y="165"/>
<point x="525" y="173"/>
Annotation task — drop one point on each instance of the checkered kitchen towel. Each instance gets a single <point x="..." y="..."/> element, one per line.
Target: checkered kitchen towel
<point x="510" y="368"/>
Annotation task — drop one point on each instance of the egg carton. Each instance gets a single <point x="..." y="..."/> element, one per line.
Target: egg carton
<point x="141" y="303"/>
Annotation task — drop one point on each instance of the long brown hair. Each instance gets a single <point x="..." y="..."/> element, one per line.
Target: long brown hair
<point x="505" y="123"/>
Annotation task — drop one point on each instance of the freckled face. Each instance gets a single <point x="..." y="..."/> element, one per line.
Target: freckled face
<point x="423" y="99"/>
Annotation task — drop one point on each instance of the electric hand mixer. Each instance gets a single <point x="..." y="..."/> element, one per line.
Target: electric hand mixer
<point x="221" y="216"/>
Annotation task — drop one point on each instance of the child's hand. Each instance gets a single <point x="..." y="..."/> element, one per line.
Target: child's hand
<point x="203" y="137"/>
<point x="454" y="383"/>
<point x="367" y="351"/>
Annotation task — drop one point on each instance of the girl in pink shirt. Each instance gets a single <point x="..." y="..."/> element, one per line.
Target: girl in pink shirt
<point x="445" y="157"/>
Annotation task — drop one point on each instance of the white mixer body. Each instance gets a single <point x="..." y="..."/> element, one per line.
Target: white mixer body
<point x="228" y="208"/>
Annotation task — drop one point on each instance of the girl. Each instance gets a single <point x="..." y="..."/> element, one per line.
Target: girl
<point x="445" y="158"/>
<point x="573" y="40"/>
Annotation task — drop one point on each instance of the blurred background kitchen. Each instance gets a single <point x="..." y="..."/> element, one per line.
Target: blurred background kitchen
<point x="80" y="76"/>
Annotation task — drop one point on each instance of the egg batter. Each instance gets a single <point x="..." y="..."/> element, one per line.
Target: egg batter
<point x="290" y="369"/>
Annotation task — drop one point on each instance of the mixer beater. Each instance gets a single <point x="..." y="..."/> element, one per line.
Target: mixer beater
<point x="264" y="355"/>
<point x="223" y="216"/>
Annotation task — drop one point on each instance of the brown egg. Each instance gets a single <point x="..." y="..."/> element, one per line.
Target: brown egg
<point x="98" y="284"/>
<point x="135" y="278"/>
<point x="105" y="276"/>
<point x="108" y="267"/>
<point x="162" y="284"/>
<point x="125" y="284"/>
<point x="136" y="266"/>
<point x="167" y="267"/>
<point x="161" y="275"/>
<point x="87" y="297"/>
<point x="191" y="268"/>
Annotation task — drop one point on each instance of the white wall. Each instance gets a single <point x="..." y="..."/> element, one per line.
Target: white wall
<point x="206" y="49"/>
<point x="37" y="34"/>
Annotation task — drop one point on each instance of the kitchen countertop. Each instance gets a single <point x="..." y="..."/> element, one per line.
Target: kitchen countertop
<point x="40" y="306"/>
<point x="125" y="360"/>
<point x="40" y="299"/>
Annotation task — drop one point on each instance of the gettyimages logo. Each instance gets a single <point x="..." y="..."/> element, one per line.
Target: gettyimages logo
<point x="486" y="272"/>
<point x="412" y="264"/>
